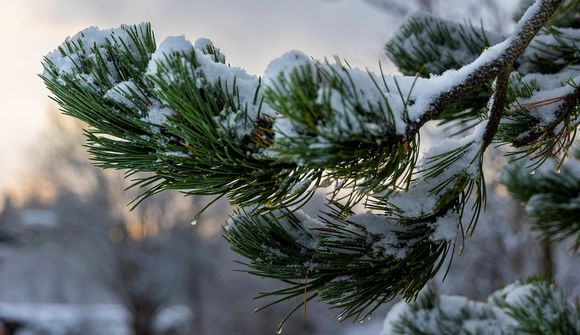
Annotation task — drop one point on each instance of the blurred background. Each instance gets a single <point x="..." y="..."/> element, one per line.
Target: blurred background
<point x="75" y="260"/>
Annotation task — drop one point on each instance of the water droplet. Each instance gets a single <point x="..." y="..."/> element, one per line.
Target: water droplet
<point x="193" y="222"/>
<point x="279" y="331"/>
<point x="533" y="172"/>
<point x="558" y="171"/>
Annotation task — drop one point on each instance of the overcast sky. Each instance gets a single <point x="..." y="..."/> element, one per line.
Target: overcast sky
<point x="250" y="32"/>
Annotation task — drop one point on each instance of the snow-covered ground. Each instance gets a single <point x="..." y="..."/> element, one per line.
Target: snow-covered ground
<point x="92" y="319"/>
<point x="61" y="319"/>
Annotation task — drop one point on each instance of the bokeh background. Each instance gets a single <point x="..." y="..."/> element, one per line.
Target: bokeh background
<point x="75" y="260"/>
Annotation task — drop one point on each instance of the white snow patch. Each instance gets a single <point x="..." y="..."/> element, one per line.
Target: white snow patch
<point x="420" y="200"/>
<point x="171" y="45"/>
<point x="396" y="312"/>
<point x="88" y="39"/>
<point x="124" y="93"/>
<point x="446" y="227"/>
<point x="284" y="65"/>
<point x="157" y="114"/>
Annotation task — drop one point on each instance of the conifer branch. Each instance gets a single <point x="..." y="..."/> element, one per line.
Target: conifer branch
<point x="491" y="63"/>
<point x="551" y="196"/>
<point x="568" y="105"/>
<point x="499" y="97"/>
<point x="208" y="128"/>
<point x="532" y="306"/>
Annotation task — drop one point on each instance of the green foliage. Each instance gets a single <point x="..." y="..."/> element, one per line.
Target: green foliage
<point x="432" y="314"/>
<point x="451" y="178"/>
<point x="553" y="50"/>
<point x="199" y="125"/>
<point x="429" y="45"/>
<point x="355" y="264"/>
<point x="109" y="90"/>
<point x="552" y="197"/>
<point x="542" y="128"/>
<point x="341" y="128"/>
<point x="568" y="14"/>
<point x="530" y="307"/>
<point x="538" y="307"/>
<point x="426" y="45"/>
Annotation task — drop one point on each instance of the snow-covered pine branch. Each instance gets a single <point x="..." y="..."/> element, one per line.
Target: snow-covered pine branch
<point x="529" y="306"/>
<point x="180" y="112"/>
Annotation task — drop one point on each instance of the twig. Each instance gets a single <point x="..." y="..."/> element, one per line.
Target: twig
<point x="501" y="86"/>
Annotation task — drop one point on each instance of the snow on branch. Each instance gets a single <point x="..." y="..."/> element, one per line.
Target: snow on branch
<point x="204" y="127"/>
<point x="456" y="84"/>
<point x="530" y="306"/>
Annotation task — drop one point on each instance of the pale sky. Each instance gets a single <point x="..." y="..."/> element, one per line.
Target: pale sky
<point x="251" y="33"/>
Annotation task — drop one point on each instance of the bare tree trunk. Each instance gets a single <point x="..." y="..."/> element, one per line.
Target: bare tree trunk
<point x="142" y="323"/>
<point x="546" y="267"/>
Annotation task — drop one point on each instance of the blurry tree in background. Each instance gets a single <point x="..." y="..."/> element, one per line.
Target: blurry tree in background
<point x="493" y="13"/>
<point x="147" y="259"/>
<point x="74" y="241"/>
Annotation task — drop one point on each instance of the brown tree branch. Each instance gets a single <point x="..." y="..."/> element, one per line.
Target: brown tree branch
<point x="501" y="86"/>
<point x="489" y="65"/>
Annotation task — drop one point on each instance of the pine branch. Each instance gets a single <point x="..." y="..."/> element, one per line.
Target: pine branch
<point x="489" y="65"/>
<point x="207" y="128"/>
<point x="496" y="111"/>
<point x="532" y="307"/>
<point x="551" y="197"/>
<point x="212" y="109"/>
<point x="542" y="129"/>
<point x="427" y="45"/>
<point x="355" y="264"/>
